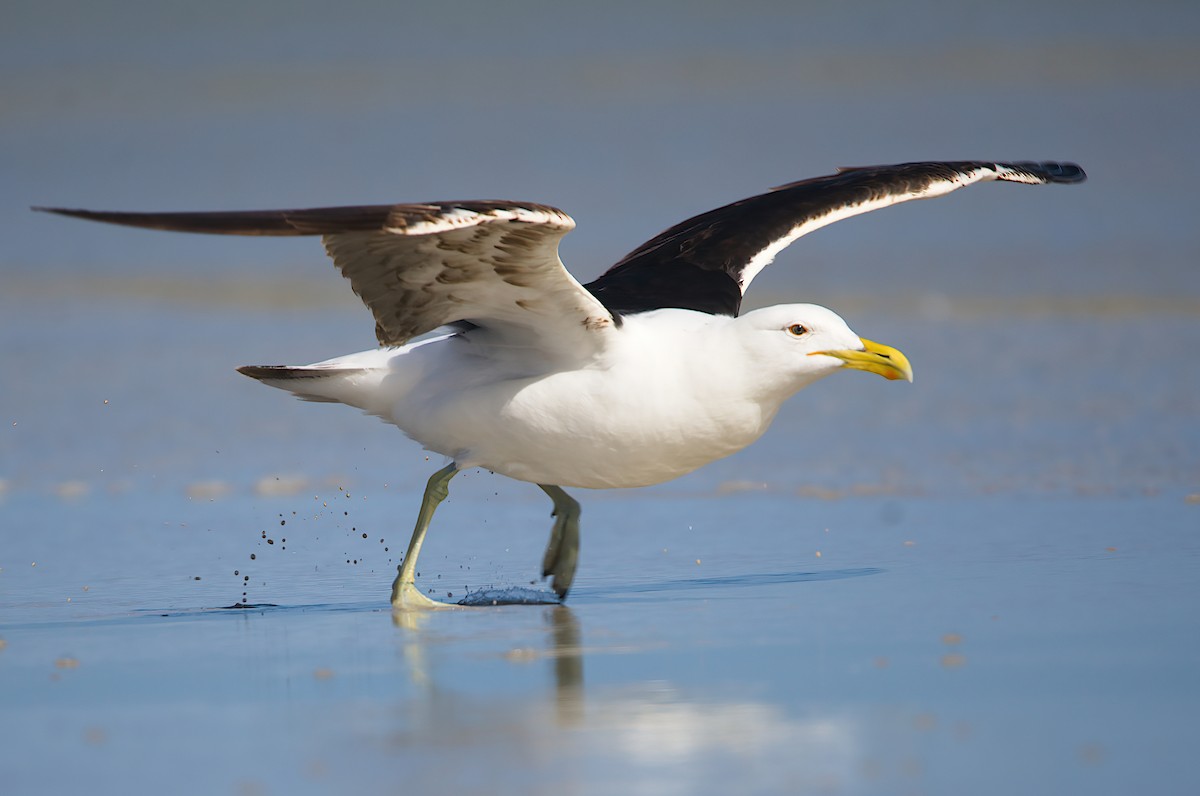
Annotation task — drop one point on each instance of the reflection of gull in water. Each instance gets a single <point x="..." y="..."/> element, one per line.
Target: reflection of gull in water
<point x="639" y="377"/>
<point x="563" y="647"/>
<point x="659" y="742"/>
<point x="650" y="738"/>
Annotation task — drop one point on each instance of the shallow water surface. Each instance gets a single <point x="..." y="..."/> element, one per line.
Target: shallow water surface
<point x="985" y="645"/>
<point x="983" y="582"/>
<point x="758" y="639"/>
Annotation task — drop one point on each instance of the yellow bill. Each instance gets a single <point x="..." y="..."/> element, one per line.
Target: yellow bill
<point x="875" y="358"/>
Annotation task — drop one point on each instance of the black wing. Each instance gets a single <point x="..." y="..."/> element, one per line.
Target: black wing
<point x="707" y="262"/>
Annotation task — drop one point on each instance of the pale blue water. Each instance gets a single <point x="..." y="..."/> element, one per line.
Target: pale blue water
<point x="1003" y="600"/>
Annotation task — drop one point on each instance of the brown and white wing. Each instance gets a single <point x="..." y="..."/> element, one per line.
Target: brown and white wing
<point x="491" y="264"/>
<point x="707" y="262"/>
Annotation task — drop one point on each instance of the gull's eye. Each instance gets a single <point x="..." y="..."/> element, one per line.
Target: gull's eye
<point x="797" y="330"/>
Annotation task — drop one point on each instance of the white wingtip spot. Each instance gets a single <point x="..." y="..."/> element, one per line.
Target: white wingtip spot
<point x="1017" y="175"/>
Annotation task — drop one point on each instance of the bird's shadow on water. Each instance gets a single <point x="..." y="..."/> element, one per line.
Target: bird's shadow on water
<point x="492" y="596"/>
<point x="749" y="580"/>
<point x="244" y="609"/>
<point x="506" y="596"/>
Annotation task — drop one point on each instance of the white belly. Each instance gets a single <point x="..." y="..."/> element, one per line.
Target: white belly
<point x="636" y="422"/>
<point x="601" y="439"/>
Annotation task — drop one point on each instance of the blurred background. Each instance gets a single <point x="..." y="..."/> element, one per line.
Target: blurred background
<point x="796" y="618"/>
<point x="629" y="116"/>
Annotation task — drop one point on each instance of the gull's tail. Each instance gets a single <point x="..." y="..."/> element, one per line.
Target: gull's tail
<point x="324" y="383"/>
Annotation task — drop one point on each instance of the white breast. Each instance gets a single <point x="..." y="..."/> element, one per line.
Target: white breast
<point x="664" y="401"/>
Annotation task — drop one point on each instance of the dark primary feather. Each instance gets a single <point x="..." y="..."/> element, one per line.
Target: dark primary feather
<point x="312" y="221"/>
<point x="697" y="264"/>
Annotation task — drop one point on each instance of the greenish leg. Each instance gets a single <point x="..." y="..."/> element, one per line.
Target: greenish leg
<point x="562" y="553"/>
<point x="404" y="590"/>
